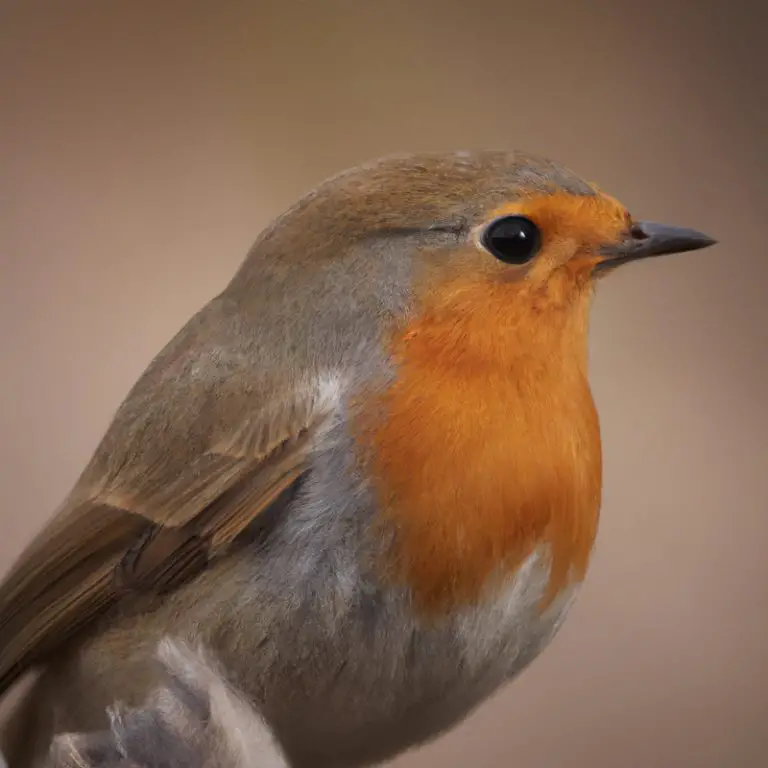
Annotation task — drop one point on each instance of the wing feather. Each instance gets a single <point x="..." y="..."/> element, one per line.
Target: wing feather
<point x="186" y="466"/>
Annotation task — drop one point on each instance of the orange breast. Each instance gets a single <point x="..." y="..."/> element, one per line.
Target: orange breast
<point x="487" y="445"/>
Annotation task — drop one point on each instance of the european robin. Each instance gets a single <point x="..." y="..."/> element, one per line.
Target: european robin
<point x="366" y="476"/>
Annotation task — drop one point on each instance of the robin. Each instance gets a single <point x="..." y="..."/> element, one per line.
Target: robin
<point x="366" y="476"/>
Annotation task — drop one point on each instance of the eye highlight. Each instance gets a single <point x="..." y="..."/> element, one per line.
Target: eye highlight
<point x="512" y="239"/>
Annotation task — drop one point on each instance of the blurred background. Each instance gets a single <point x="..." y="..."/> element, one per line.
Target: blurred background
<point x="145" y="143"/>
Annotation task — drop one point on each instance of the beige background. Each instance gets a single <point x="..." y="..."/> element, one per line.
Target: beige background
<point x="144" y="143"/>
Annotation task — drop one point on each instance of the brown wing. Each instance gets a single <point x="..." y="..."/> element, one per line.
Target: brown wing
<point x="101" y="550"/>
<point x="185" y="467"/>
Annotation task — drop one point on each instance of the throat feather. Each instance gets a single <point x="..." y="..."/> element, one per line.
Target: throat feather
<point x="485" y="448"/>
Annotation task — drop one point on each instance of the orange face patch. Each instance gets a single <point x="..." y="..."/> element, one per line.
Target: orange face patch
<point x="572" y="225"/>
<point x="486" y="447"/>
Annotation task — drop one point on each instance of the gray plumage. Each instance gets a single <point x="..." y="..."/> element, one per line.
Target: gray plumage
<point x="194" y="720"/>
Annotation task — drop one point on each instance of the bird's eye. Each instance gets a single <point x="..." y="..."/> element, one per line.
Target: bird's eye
<point x="512" y="239"/>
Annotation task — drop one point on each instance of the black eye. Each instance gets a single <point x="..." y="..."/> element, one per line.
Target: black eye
<point x="513" y="239"/>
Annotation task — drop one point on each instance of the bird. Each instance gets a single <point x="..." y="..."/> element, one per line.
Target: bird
<point x="194" y="719"/>
<point x="367" y="474"/>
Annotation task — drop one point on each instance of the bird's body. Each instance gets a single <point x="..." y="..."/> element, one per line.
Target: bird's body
<point x="366" y="476"/>
<point x="342" y="682"/>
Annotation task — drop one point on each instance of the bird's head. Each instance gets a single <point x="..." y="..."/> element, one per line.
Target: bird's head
<point x="501" y="237"/>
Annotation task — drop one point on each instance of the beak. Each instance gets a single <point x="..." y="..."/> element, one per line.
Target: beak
<point x="647" y="238"/>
